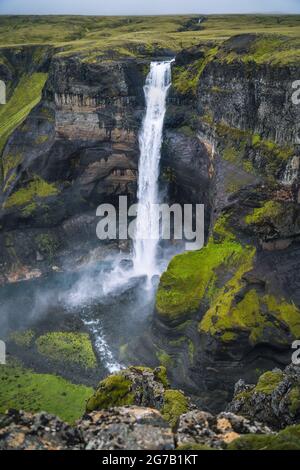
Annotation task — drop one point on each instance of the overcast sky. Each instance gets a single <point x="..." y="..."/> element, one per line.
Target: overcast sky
<point x="146" y="7"/>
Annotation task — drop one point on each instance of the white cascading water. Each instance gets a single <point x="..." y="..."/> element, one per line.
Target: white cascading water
<point x="146" y="240"/>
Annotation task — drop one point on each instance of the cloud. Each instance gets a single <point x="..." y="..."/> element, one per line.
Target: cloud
<point x="148" y="7"/>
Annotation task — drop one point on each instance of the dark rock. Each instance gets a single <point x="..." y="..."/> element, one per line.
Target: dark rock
<point x="274" y="400"/>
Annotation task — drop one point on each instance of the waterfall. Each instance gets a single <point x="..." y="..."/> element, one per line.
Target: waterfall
<point x="146" y="237"/>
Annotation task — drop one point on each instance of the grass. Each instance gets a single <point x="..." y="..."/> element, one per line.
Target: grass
<point x="26" y="96"/>
<point x="94" y="36"/>
<point x="23" y="389"/>
<point x="74" y="348"/>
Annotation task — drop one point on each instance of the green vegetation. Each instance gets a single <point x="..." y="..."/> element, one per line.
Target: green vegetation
<point x="164" y="359"/>
<point x="160" y="374"/>
<point x="227" y="318"/>
<point x="25" y="97"/>
<point x="268" y="382"/>
<point x="97" y="36"/>
<point x="115" y="390"/>
<point x="37" y="188"/>
<point x="269" y="212"/>
<point x="65" y="347"/>
<point x="186" y="79"/>
<point x="193" y="275"/>
<point x="294" y="398"/>
<point x="288" y="439"/>
<point x="175" y="404"/>
<point x="23" y="389"/>
<point x="22" y="338"/>
<point x="237" y="143"/>
<point x="268" y="48"/>
<point x="47" y="244"/>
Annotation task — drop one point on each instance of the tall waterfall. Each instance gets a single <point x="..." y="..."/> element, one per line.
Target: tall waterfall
<point x="146" y="240"/>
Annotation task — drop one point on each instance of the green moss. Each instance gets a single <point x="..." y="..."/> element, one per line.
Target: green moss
<point x="115" y="390"/>
<point x="22" y="338"/>
<point x="285" y="312"/>
<point x="65" y="347"/>
<point x="160" y="373"/>
<point x="24" y="98"/>
<point x="192" y="350"/>
<point x="21" y="388"/>
<point x="288" y="439"/>
<point x="164" y="358"/>
<point x="186" y="78"/>
<point x="10" y="162"/>
<point x="237" y="143"/>
<point x="294" y="399"/>
<point x="184" y="284"/>
<point x="47" y="244"/>
<point x="268" y="382"/>
<point x="175" y="404"/>
<point x="37" y="188"/>
<point x="269" y="212"/>
<point x="191" y="277"/>
<point x="41" y="139"/>
<point x="228" y="337"/>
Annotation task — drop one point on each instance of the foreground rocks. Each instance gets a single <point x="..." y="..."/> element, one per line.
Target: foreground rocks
<point x="275" y="399"/>
<point x="134" y="410"/>
<point x="122" y="428"/>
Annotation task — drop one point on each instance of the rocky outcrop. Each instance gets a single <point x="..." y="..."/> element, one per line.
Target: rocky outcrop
<point x="274" y="400"/>
<point x="140" y="386"/>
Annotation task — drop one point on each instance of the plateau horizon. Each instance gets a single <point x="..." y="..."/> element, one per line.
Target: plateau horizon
<point x="170" y="222"/>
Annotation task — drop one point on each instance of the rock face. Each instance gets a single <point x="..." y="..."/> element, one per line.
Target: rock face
<point x="77" y="149"/>
<point x="274" y="400"/>
<point x="234" y="307"/>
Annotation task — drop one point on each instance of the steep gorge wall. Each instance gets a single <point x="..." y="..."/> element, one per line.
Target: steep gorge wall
<point x="76" y="149"/>
<point x="232" y="309"/>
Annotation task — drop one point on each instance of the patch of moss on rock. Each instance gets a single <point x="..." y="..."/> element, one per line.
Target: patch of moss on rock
<point x="36" y="189"/>
<point x="47" y="244"/>
<point x="288" y="439"/>
<point x="175" y="404"/>
<point x="164" y="358"/>
<point x="294" y="400"/>
<point x="73" y="348"/>
<point x="115" y="390"/>
<point x="269" y="212"/>
<point x="268" y="382"/>
<point x="22" y="338"/>
<point x="23" y="389"/>
<point x="183" y="286"/>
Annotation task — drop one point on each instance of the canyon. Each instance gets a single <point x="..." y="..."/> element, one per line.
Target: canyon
<point x="230" y="142"/>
